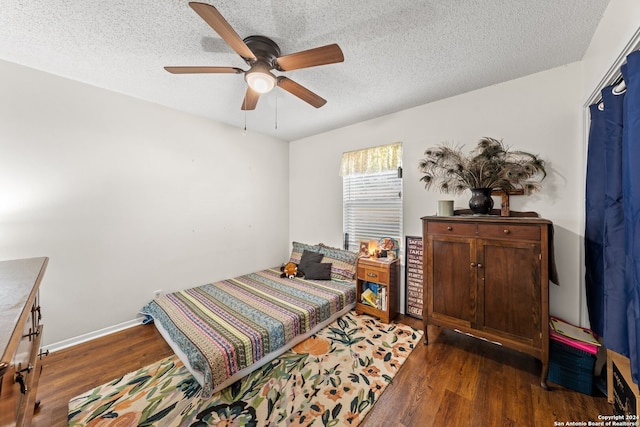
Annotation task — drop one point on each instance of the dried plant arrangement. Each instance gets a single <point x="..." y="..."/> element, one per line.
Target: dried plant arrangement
<point x="491" y="164"/>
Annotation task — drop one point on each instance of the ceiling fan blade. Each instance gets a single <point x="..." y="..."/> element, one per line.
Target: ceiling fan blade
<point x="220" y="25"/>
<point x="200" y="70"/>
<point x="323" y="55"/>
<point x="250" y="99"/>
<point x="301" y="92"/>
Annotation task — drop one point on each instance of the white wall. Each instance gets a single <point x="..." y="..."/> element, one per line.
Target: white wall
<point x="539" y="113"/>
<point x="127" y="197"/>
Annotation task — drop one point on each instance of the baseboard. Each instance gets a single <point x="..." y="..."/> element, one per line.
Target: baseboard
<point x="92" y="335"/>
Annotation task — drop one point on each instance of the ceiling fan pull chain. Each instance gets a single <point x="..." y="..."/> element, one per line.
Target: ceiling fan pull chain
<point x="244" y="132"/>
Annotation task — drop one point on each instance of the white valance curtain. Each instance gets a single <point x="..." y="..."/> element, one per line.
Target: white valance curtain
<point x="384" y="158"/>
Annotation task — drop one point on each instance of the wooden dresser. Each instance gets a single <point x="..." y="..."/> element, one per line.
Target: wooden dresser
<point x="20" y="334"/>
<point x="488" y="276"/>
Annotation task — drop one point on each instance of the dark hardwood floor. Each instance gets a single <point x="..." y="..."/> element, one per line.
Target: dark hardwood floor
<point x="456" y="380"/>
<point x="72" y="371"/>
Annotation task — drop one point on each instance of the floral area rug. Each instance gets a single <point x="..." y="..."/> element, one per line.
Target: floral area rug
<point x="331" y="379"/>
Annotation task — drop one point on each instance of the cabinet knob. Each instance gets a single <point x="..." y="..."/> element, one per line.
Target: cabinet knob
<point x="506" y="231"/>
<point x="473" y="264"/>
<point x="479" y="265"/>
<point x="449" y="228"/>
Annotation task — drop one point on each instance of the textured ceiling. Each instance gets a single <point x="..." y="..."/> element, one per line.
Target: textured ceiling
<point x="398" y="54"/>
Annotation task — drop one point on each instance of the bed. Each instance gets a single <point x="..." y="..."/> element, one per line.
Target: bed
<point x="224" y="330"/>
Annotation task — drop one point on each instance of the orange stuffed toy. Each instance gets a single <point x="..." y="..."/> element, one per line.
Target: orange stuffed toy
<point x="290" y="270"/>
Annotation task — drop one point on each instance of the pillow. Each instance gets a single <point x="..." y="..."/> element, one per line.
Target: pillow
<point x="343" y="262"/>
<point x="307" y="258"/>
<point x="298" y="249"/>
<point x="318" y="271"/>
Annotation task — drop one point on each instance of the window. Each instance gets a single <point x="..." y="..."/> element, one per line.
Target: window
<point x="372" y="194"/>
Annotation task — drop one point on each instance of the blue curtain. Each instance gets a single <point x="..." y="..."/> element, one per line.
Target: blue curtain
<point x="631" y="195"/>
<point x="615" y="295"/>
<point x="594" y="220"/>
<point x="612" y="233"/>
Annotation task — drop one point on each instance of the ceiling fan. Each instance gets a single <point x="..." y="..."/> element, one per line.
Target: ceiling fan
<point x="262" y="55"/>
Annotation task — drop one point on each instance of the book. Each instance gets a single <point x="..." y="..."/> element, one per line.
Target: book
<point x="369" y="298"/>
<point x="373" y="286"/>
<point x="372" y="294"/>
<point x="573" y="332"/>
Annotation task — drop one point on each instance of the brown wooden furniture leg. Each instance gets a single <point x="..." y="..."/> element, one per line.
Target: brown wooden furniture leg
<point x="543" y="375"/>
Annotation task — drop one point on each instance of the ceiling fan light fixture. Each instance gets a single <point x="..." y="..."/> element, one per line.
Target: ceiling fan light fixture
<point x="260" y="79"/>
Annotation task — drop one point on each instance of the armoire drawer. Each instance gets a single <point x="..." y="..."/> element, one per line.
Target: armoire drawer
<point x="509" y="231"/>
<point x="451" y="228"/>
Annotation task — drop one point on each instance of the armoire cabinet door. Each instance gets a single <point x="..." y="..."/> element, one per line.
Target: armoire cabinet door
<point x="509" y="289"/>
<point x="453" y="280"/>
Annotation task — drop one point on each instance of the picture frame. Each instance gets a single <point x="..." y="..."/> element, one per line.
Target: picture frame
<point x="363" y="250"/>
<point x="389" y="247"/>
<point x="413" y="279"/>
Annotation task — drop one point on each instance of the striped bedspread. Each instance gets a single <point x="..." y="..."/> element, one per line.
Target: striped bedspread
<point x="226" y="326"/>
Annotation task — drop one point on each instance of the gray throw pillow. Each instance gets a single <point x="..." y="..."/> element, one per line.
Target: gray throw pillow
<point x="307" y="258"/>
<point x="318" y="271"/>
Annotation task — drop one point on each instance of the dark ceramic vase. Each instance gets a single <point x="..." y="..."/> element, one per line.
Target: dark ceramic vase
<point x="481" y="201"/>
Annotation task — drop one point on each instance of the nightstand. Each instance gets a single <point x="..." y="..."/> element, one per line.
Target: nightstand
<point x="378" y="280"/>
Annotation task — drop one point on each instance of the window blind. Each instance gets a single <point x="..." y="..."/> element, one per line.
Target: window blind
<point x="372" y="207"/>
